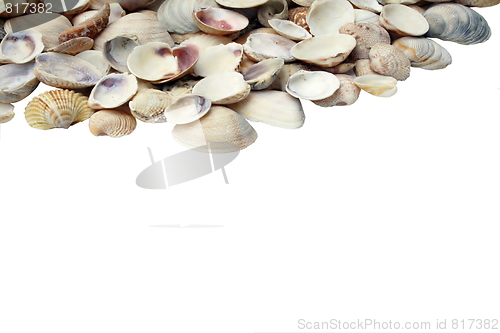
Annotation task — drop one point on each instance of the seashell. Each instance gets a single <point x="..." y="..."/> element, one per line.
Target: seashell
<point x="260" y="46"/>
<point x="366" y="35"/>
<point x="423" y="52"/>
<point x="341" y="68"/>
<point x="478" y="3"/>
<point x="362" y="67"/>
<point x="403" y="20"/>
<point x="88" y="28"/>
<point x="404" y="2"/>
<point x="115" y="12"/>
<point x="50" y="25"/>
<point x="260" y="75"/>
<point x="456" y="23"/>
<point x="57" y="109"/>
<point x="65" y="71"/>
<point x="347" y="94"/>
<point x="158" y="63"/>
<point x="325" y="17"/>
<point x="149" y="105"/>
<point x="95" y="58"/>
<point x="219" y="21"/>
<point x="177" y="15"/>
<point x="187" y="109"/>
<point x="324" y="50"/>
<point x="246" y="63"/>
<point x="117" y="49"/>
<point x="289" y="29"/>
<point x="128" y="5"/>
<point x="21" y="47"/>
<point x="112" y="91"/>
<point x="62" y="7"/>
<point x="419" y="9"/>
<point x="388" y="60"/>
<point x="312" y="85"/>
<point x="221" y="130"/>
<point x="17" y="81"/>
<point x="204" y="40"/>
<point x="272" y="9"/>
<point x="305" y="3"/>
<point x="113" y="123"/>
<point x="73" y="46"/>
<point x="241" y="3"/>
<point x="365" y="16"/>
<point x="275" y="108"/>
<point x="286" y="71"/>
<point x="377" y="85"/>
<point x="218" y="59"/>
<point x="180" y="88"/>
<point x="243" y="38"/>
<point x="140" y="25"/>
<point x="6" y="112"/>
<point x="370" y="5"/>
<point x="223" y="88"/>
<point x="298" y="16"/>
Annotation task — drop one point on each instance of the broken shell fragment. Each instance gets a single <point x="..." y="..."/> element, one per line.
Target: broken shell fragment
<point x="113" y="123"/>
<point x="113" y="90"/>
<point x="261" y="46"/>
<point x="388" y="60"/>
<point x="377" y="85"/>
<point x="223" y="88"/>
<point x="272" y="9"/>
<point x="347" y="93"/>
<point x="6" y="112"/>
<point x="312" y="85"/>
<point x="219" y="21"/>
<point x="403" y="20"/>
<point x="57" y="109"/>
<point x="262" y="74"/>
<point x="325" y="50"/>
<point x="187" y="109"/>
<point x="88" y="28"/>
<point x="21" y="47"/>
<point x="221" y="130"/>
<point x="17" y="81"/>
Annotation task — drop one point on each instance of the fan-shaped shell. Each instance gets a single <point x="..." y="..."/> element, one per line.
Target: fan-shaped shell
<point x="388" y="60"/>
<point x="423" y="52"/>
<point x="366" y="35"/>
<point x="177" y="15"/>
<point x="57" y="109"/>
<point x="347" y="94"/>
<point x="113" y="123"/>
<point x="149" y="105"/>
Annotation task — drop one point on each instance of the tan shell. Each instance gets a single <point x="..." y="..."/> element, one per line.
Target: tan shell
<point x="347" y="94"/>
<point x="116" y="11"/>
<point x="298" y="16"/>
<point x="113" y="123"/>
<point x="223" y="88"/>
<point x="6" y="112"/>
<point x="260" y="46"/>
<point x="57" y="109"/>
<point x="385" y="59"/>
<point x="149" y="105"/>
<point x="221" y="130"/>
<point x="17" y="81"/>
<point x="377" y="85"/>
<point x="219" y="21"/>
<point x="74" y="46"/>
<point x="362" y="67"/>
<point x="20" y="47"/>
<point x="366" y="35"/>
<point x="423" y="52"/>
<point x="88" y="28"/>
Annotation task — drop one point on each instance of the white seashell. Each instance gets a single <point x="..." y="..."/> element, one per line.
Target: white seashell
<point x="287" y="70"/>
<point x="262" y="74"/>
<point x="187" y="109"/>
<point x="218" y="59"/>
<point x="377" y="85"/>
<point x="17" y="81"/>
<point x="203" y="40"/>
<point x="347" y="94"/>
<point x="305" y="3"/>
<point x="272" y="9"/>
<point x="370" y="5"/>
<point x="260" y="46"/>
<point x="403" y="20"/>
<point x="96" y="58"/>
<point x="74" y="46"/>
<point x="128" y="5"/>
<point x="112" y="91"/>
<point x="21" y="47"/>
<point x="289" y="29"/>
<point x="324" y="50"/>
<point x="241" y="3"/>
<point x="272" y="107"/>
<point x="177" y="15"/>
<point x="365" y="16"/>
<point x="117" y="50"/>
<point x="325" y="17"/>
<point x="6" y="112"/>
<point x="312" y="85"/>
<point x="219" y="21"/>
<point x="362" y="67"/>
<point x="223" y="88"/>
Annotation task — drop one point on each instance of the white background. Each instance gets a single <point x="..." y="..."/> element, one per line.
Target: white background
<point x="387" y="209"/>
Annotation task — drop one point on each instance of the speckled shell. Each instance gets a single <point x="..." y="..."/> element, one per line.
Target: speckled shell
<point x="298" y="16"/>
<point x="385" y="59"/>
<point x="366" y="35"/>
<point x="57" y="109"/>
<point x="88" y="28"/>
<point x="149" y="105"/>
<point x="362" y="67"/>
<point x="6" y="112"/>
<point x="221" y="129"/>
<point x="423" y="52"/>
<point x="113" y="123"/>
<point x="347" y="94"/>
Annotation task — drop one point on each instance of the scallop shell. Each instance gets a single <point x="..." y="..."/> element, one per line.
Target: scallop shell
<point x="88" y="28"/>
<point x="177" y="15"/>
<point x="275" y="108"/>
<point x="312" y="85"/>
<point x="347" y="94"/>
<point x="456" y="23"/>
<point x="149" y="105"/>
<point x="366" y="35"/>
<point x="403" y="20"/>
<point x="21" y="47"/>
<point x="423" y="52"/>
<point x="377" y="85"/>
<point x="388" y="60"/>
<point x="112" y="91"/>
<point x="221" y="130"/>
<point x="6" y="112"/>
<point x="57" y="109"/>
<point x="17" y="81"/>
<point x="223" y="88"/>
<point x="324" y="50"/>
<point x="219" y="21"/>
<point x="325" y="17"/>
<point x="273" y="9"/>
<point x="113" y="123"/>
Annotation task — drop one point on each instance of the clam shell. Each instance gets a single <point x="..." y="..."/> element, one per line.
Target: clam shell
<point x="149" y="105"/>
<point x="21" y="47"/>
<point x="403" y="20"/>
<point x="65" y="71"/>
<point x="287" y="70"/>
<point x="223" y="88"/>
<point x="128" y="5"/>
<point x="74" y="46"/>
<point x="219" y="21"/>
<point x="6" y="112"/>
<point x="203" y="40"/>
<point x="305" y="3"/>
<point x="388" y="60"/>
<point x="57" y="109"/>
<point x="177" y="15"/>
<point x="325" y="17"/>
<point x="117" y="49"/>
<point x="88" y="28"/>
<point x="218" y="59"/>
<point x="423" y="52"/>
<point x="261" y="46"/>
<point x="113" y="90"/>
<point x="17" y="81"/>
<point x="325" y="50"/>
<point x="272" y="9"/>
<point x="366" y="35"/>
<point x="365" y="16"/>
<point x="262" y="74"/>
<point x="377" y="85"/>
<point x="221" y="130"/>
<point x="370" y="5"/>
<point x="95" y="58"/>
<point x="289" y="29"/>
<point x="272" y="107"/>
<point x="241" y="3"/>
<point x="347" y="94"/>
<point x="113" y="123"/>
<point x="312" y="85"/>
<point x="187" y="109"/>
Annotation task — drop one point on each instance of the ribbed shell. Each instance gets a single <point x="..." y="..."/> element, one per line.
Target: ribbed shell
<point x="57" y="109"/>
<point x="149" y="105"/>
<point x="423" y="52"/>
<point x="113" y="123"/>
<point x="478" y="3"/>
<point x="366" y="35"/>
<point x="347" y="94"/>
<point x="222" y="129"/>
<point x="177" y="15"/>
<point x="385" y="59"/>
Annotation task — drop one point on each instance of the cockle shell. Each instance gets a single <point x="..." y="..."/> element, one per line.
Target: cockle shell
<point x="112" y="91"/>
<point x="57" y="109"/>
<point x="262" y="74"/>
<point x="187" y="109"/>
<point x="6" y="112"/>
<point x="88" y="28"/>
<point x="272" y="107"/>
<point x="388" y="60"/>
<point x="324" y="50"/>
<point x="177" y="15"/>
<point x="456" y="23"/>
<point x="325" y="17"/>
<point x="17" y="81"/>
<point x="260" y="46"/>
<point x="95" y="58"/>
<point x="73" y="46"/>
<point x="219" y="21"/>
<point x="223" y="88"/>
<point x="113" y="123"/>
<point x="289" y="29"/>
<point x="362" y="67"/>
<point x="347" y="94"/>
<point x="149" y="105"/>
<point x="272" y="9"/>
<point x="117" y="49"/>
<point x="423" y="52"/>
<point x="218" y="59"/>
<point x="221" y="130"/>
<point x="65" y="71"/>
<point x="377" y="85"/>
<point x="21" y="47"/>
<point x="403" y="20"/>
<point x="204" y="40"/>
<point x="312" y="85"/>
<point x="366" y="35"/>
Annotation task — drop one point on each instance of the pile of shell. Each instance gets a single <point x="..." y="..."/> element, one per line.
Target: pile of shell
<point x="209" y="65"/>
